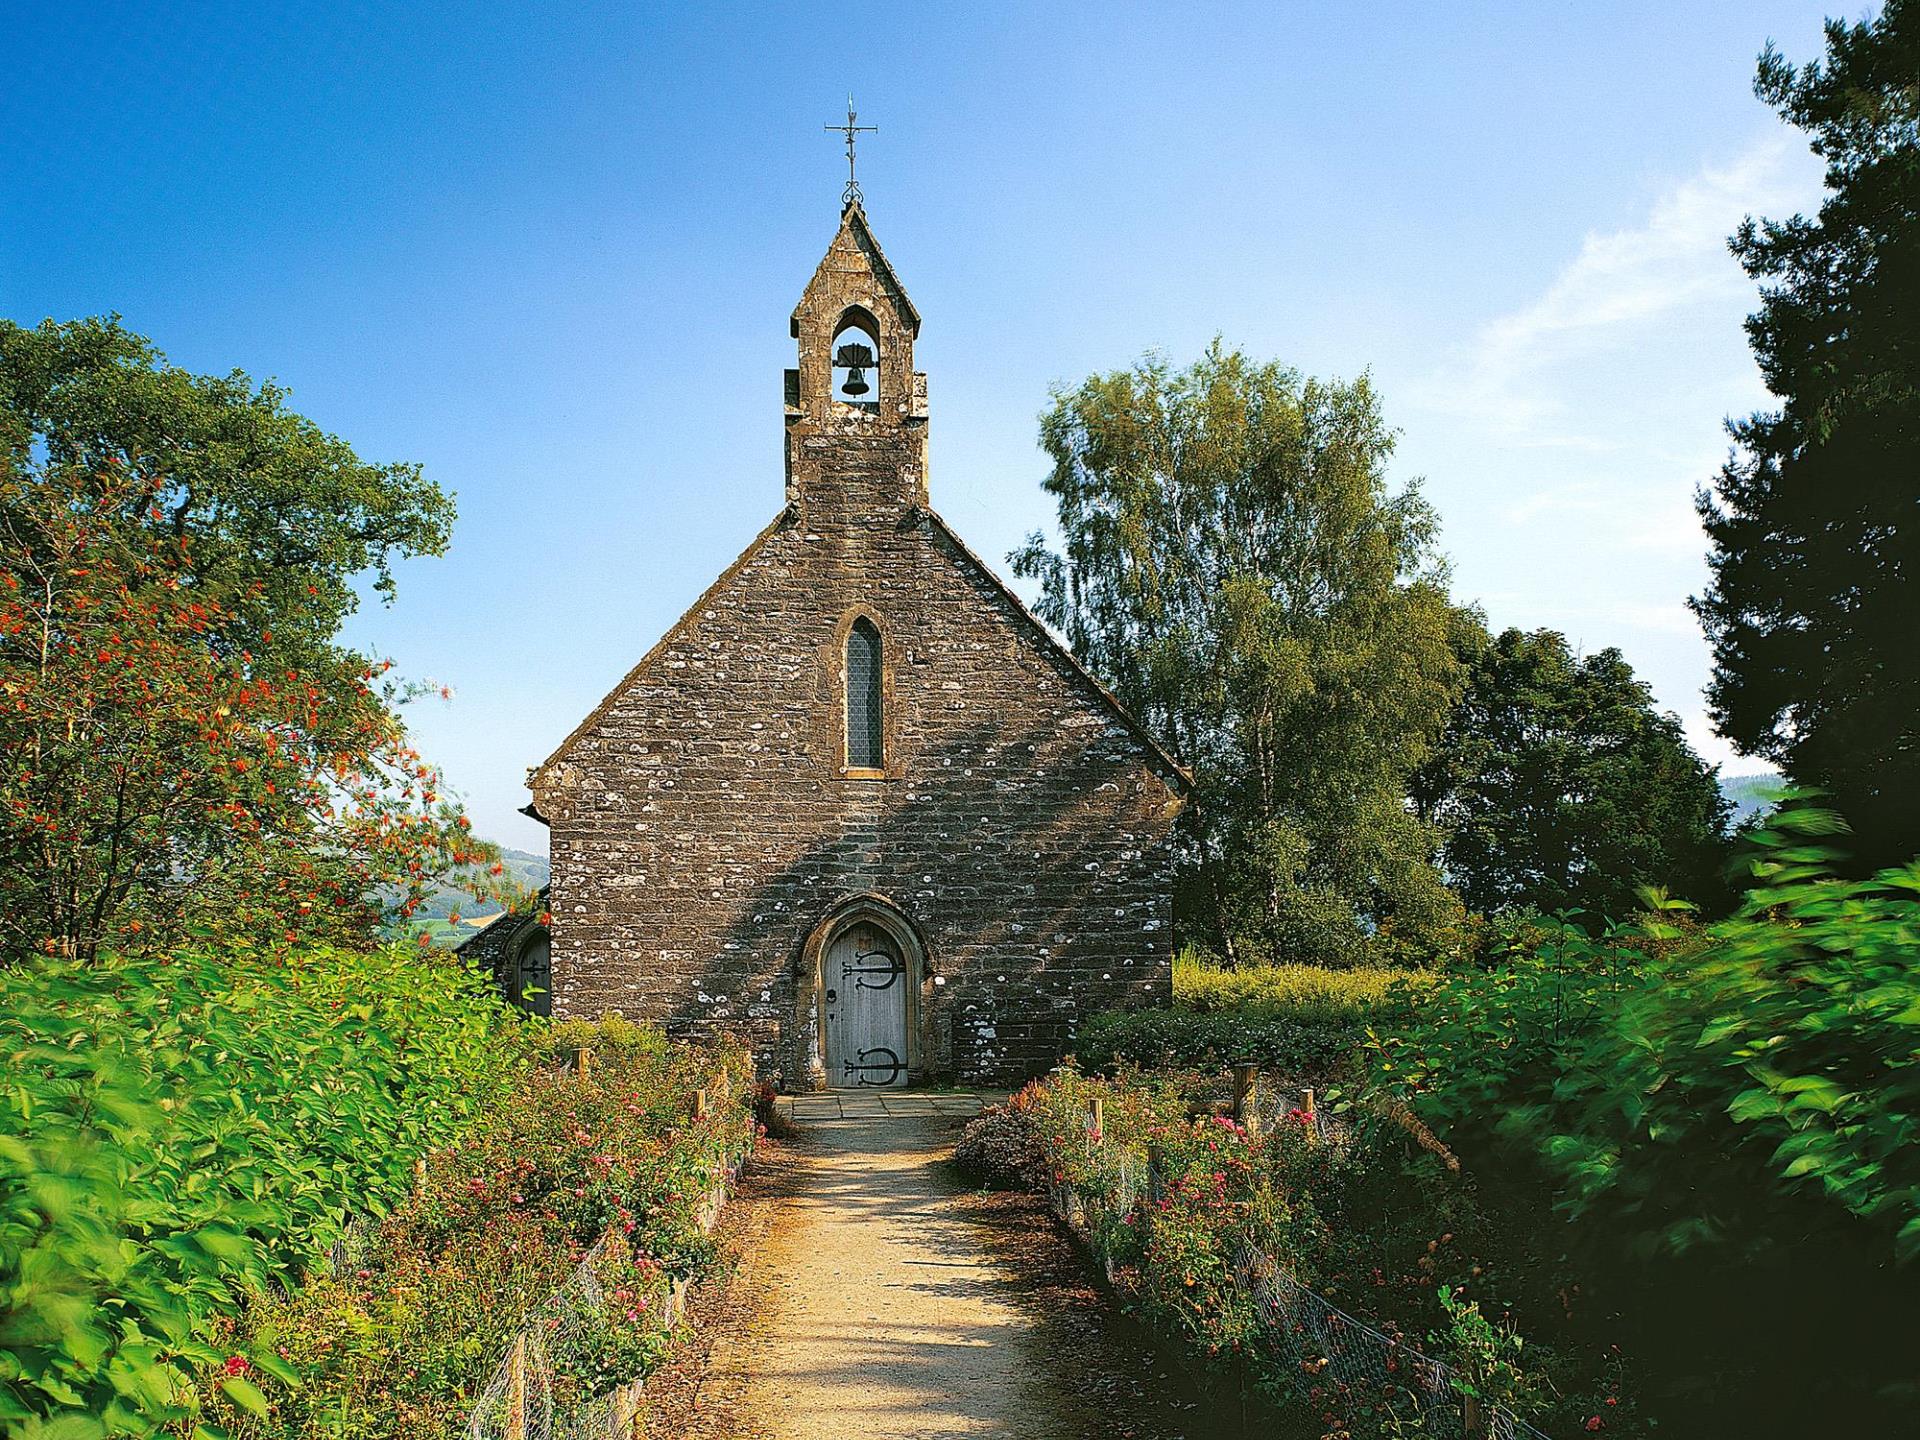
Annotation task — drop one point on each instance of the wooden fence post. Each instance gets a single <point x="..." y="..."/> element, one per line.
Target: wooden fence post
<point x="1246" y="1097"/>
<point x="1096" y="1117"/>
<point x="1313" y="1114"/>
<point x="1472" y="1421"/>
<point x="419" y="1174"/>
<point x="583" y="1063"/>
<point x="700" y="1104"/>
<point x="517" y="1388"/>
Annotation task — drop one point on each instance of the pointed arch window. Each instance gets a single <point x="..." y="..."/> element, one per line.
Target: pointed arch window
<point x="866" y="748"/>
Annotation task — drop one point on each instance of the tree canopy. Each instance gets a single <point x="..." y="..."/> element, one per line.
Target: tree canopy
<point x="184" y="742"/>
<point x="1561" y="786"/>
<point x="1237" y="568"/>
<point x="1815" y="519"/>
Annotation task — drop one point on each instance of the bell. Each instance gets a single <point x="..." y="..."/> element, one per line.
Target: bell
<point x="855" y="360"/>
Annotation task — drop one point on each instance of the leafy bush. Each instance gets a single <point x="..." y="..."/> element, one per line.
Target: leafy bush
<point x="401" y="1341"/>
<point x="1186" y="1039"/>
<point x="1727" y="1120"/>
<point x="1310" y="992"/>
<point x="183" y="1131"/>
<point x="999" y="1147"/>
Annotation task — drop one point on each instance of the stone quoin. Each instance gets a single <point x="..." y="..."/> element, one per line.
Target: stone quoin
<point x="857" y="804"/>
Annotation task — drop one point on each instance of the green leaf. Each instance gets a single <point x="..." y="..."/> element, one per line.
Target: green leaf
<point x="265" y="1357"/>
<point x="245" y="1394"/>
<point x="70" y="1427"/>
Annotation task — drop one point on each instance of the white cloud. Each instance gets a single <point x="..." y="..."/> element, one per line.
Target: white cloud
<point x="1566" y="436"/>
<point x="1624" y="287"/>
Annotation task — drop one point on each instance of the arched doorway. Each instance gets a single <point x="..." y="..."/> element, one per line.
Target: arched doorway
<point x="865" y="1029"/>
<point x="530" y="973"/>
<point x="862" y="970"/>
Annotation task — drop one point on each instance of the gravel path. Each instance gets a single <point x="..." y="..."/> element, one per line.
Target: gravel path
<point x="878" y="1298"/>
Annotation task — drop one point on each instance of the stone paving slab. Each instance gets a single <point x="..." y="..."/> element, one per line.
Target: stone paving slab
<point x="875" y="1104"/>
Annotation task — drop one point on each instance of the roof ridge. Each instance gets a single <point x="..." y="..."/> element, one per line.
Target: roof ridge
<point x="1055" y="647"/>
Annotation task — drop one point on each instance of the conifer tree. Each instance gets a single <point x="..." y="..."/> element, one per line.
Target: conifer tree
<point x="1814" y="601"/>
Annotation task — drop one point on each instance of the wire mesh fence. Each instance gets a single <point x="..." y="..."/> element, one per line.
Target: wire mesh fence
<point x="1344" y="1363"/>
<point x="541" y="1388"/>
<point x="1336" y="1364"/>
<point x="544" y="1386"/>
<point x="354" y="1247"/>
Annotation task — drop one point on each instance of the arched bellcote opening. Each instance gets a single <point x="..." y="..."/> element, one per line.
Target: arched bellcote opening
<point x="855" y="352"/>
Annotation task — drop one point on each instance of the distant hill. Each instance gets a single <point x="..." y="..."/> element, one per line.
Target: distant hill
<point x="528" y="870"/>
<point x="1751" y="795"/>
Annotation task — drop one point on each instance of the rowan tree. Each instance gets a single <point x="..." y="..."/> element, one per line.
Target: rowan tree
<point x="185" y="744"/>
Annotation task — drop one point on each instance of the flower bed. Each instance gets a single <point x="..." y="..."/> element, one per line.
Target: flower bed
<point x="1185" y="1210"/>
<point x="612" y="1168"/>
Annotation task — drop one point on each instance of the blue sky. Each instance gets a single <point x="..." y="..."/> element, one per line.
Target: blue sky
<point x="549" y="252"/>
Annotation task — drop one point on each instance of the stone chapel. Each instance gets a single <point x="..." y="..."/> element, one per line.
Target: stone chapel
<point x="857" y="803"/>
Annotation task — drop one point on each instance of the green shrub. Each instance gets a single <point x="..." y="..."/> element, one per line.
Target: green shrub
<point x="182" y="1131"/>
<point x="1186" y="1039"/>
<point x="1361" y="1215"/>
<point x="999" y="1149"/>
<point x="1310" y="992"/>
<point x="1726" y="1120"/>
<point x="402" y="1342"/>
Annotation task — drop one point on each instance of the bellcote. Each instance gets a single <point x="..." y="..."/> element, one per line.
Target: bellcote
<point x="855" y="385"/>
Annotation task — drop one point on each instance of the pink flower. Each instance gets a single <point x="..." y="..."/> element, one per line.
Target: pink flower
<point x="238" y="1365"/>
<point x="1594" y="1422"/>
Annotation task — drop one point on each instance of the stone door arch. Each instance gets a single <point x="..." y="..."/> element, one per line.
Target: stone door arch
<point x="860" y="1002"/>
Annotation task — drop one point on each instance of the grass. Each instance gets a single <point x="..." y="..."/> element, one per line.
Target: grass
<point x="1300" y="1019"/>
<point x="1202" y="983"/>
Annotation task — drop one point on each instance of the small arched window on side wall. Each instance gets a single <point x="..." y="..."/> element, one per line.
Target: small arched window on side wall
<point x="866" y="743"/>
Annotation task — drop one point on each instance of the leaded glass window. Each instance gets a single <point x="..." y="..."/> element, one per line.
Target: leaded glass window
<point x="865" y="749"/>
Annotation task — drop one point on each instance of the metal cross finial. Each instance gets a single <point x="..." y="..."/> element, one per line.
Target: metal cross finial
<point x="851" y="195"/>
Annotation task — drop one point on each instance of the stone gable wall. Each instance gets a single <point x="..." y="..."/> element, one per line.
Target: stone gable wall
<point x="702" y="828"/>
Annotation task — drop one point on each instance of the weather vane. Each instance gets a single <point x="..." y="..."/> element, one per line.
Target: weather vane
<point x="851" y="195"/>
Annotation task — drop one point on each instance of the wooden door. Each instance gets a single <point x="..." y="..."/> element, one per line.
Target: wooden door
<point x="864" y="982"/>
<point x="530" y="983"/>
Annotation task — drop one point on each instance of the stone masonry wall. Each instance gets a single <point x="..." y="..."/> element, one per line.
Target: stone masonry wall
<point x="701" y="828"/>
